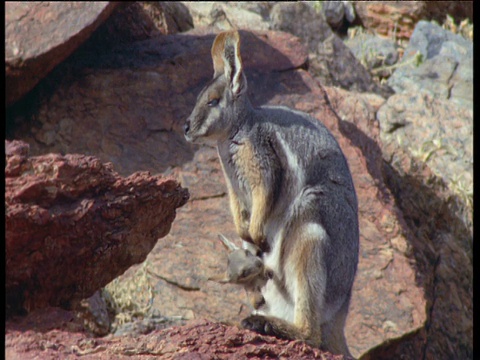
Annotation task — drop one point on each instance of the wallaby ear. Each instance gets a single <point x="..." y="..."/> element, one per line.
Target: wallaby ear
<point x="229" y="245"/>
<point x="226" y="60"/>
<point x="217" y="52"/>
<point x="233" y="66"/>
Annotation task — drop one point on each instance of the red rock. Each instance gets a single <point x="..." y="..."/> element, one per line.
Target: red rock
<point x="41" y="34"/>
<point x="136" y="21"/>
<point x="398" y="19"/>
<point x="170" y="17"/>
<point x="102" y="109"/>
<point x="55" y="334"/>
<point x="441" y="245"/>
<point x="393" y="19"/>
<point x="73" y="224"/>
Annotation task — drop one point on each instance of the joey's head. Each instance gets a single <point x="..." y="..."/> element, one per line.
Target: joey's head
<point x="214" y="116"/>
<point x="243" y="266"/>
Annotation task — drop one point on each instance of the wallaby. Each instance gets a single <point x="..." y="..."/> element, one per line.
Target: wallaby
<point x="246" y="269"/>
<point x="291" y="195"/>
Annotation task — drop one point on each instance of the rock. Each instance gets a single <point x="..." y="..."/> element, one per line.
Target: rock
<point x="313" y="29"/>
<point x="429" y="143"/>
<point x="130" y="22"/>
<point x="223" y="15"/>
<point x="373" y="52"/>
<point x="398" y="19"/>
<point x="326" y="48"/>
<point x="461" y="92"/>
<point x="101" y="105"/>
<point x="170" y="17"/>
<point x="40" y="35"/>
<point x="149" y="323"/>
<point x="431" y="40"/>
<point x="442" y="244"/>
<point x="441" y="221"/>
<point x="201" y="339"/>
<point x="435" y="132"/>
<point x="336" y="12"/>
<point x="447" y="68"/>
<point x="393" y="19"/>
<point x="458" y="10"/>
<point x="72" y="224"/>
<point x="93" y="311"/>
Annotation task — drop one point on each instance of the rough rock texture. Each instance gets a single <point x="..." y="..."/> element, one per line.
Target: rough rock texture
<point x="326" y="49"/>
<point x="73" y="224"/>
<point x="324" y="45"/>
<point x="141" y="25"/>
<point x="39" y="35"/>
<point x="54" y="333"/>
<point x="398" y="18"/>
<point x="337" y="13"/>
<point x="141" y="20"/>
<point x="430" y="171"/>
<point x="101" y="106"/>
<point x="436" y="132"/>
<point x="94" y="314"/>
<point x="440" y="219"/>
<point x="374" y="52"/>
<point x="427" y="135"/>
<point x="445" y="252"/>
<point x="223" y="15"/>
<point x="446" y="71"/>
<point x="170" y="17"/>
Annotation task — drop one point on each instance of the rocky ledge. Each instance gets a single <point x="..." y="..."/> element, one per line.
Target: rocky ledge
<point x="73" y="224"/>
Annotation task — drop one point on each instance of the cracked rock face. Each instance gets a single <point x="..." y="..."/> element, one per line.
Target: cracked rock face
<point x="72" y="224"/>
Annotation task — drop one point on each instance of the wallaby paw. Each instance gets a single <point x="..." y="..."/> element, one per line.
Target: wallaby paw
<point x="257" y="235"/>
<point x="244" y="234"/>
<point x="258" y="324"/>
<point x="246" y="237"/>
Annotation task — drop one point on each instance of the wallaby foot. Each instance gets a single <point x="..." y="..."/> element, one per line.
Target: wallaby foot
<point x="269" y="325"/>
<point x="262" y="325"/>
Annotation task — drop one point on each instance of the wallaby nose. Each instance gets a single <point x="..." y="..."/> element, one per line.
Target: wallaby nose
<point x="186" y="127"/>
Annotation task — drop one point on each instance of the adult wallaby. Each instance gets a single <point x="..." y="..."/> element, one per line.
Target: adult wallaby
<point x="291" y="195"/>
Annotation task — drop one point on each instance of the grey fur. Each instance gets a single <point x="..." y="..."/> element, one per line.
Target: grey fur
<point x="310" y="195"/>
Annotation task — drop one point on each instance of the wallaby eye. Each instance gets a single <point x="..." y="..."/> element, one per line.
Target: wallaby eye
<point x="213" y="102"/>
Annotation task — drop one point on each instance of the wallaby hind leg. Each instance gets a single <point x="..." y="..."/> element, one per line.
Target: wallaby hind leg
<point x="333" y="332"/>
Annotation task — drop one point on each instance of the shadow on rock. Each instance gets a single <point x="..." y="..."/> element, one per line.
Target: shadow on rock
<point x="441" y="253"/>
<point x="128" y="103"/>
